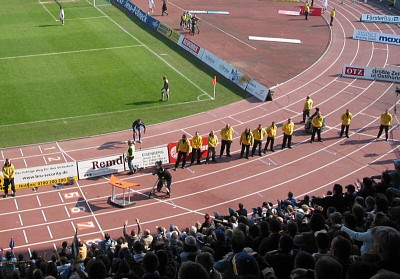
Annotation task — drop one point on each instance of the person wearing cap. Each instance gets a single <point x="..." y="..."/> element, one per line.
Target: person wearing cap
<point x="131" y="156"/>
<point x="346" y="119"/>
<point x="288" y="129"/>
<point x="183" y="147"/>
<point x="227" y="136"/>
<point x="197" y="144"/>
<point x="8" y="175"/>
<point x="317" y="123"/>
<point x="307" y="107"/>
<point x="190" y="249"/>
<point x="212" y="144"/>
<point x="246" y="140"/>
<point x="271" y="133"/>
<point x="386" y="120"/>
<point x="258" y="134"/>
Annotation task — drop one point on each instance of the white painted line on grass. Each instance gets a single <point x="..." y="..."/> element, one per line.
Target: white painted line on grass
<point x="278" y="40"/>
<point x="67" y="52"/>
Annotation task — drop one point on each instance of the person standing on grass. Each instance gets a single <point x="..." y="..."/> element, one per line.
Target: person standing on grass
<point x="8" y="175"/>
<point x="62" y="15"/>
<point x="164" y="8"/>
<point x="183" y="148"/>
<point x="386" y="119"/>
<point x="346" y="119"/>
<point x="137" y="127"/>
<point x="165" y="89"/>
<point x="197" y="144"/>
<point x="212" y="145"/>
<point x="131" y="156"/>
<point x="333" y="15"/>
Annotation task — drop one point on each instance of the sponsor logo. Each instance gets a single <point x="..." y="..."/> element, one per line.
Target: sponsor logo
<point x="190" y="45"/>
<point x="108" y="163"/>
<point x="389" y="39"/>
<point x="142" y="16"/>
<point x="354" y="71"/>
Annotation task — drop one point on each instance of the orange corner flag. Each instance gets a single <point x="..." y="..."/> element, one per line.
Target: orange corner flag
<point x="215" y="80"/>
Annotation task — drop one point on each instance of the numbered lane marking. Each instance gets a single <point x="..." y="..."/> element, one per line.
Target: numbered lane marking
<point x="85" y="225"/>
<point x="71" y="195"/>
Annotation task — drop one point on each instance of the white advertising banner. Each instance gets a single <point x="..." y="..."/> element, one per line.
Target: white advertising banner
<point x="390" y="19"/>
<point x="381" y="74"/>
<point x="44" y="175"/>
<point x="376" y="37"/>
<point x="118" y="163"/>
<point x="257" y="89"/>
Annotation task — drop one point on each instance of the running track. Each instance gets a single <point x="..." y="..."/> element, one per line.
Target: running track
<point x="42" y="220"/>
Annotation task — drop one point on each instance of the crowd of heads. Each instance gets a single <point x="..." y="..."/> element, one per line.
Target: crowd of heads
<point x="343" y="234"/>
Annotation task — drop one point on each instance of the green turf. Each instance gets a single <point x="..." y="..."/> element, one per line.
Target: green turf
<point x="95" y="74"/>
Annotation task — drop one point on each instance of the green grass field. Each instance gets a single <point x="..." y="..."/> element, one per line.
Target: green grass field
<point x="95" y="74"/>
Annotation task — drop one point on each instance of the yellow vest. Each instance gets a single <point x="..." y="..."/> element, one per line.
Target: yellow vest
<point x="346" y="119"/>
<point x="288" y="128"/>
<point x="212" y="141"/>
<point x="386" y="119"/>
<point x="246" y="140"/>
<point x="197" y="142"/>
<point x="308" y="104"/>
<point x="183" y="146"/>
<point x="317" y="121"/>
<point x="8" y="171"/>
<point x="227" y="134"/>
<point x="259" y="134"/>
<point x="271" y="131"/>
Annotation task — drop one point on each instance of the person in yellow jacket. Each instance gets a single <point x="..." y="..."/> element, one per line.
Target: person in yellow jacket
<point x="271" y="132"/>
<point x="288" y="129"/>
<point x="212" y="145"/>
<point x="8" y="175"/>
<point x="317" y="123"/>
<point x="226" y="141"/>
<point x="183" y="147"/>
<point x="246" y="140"/>
<point x="258" y="134"/>
<point x="346" y="119"/>
<point x="197" y="144"/>
<point x="333" y="15"/>
<point x="386" y="120"/>
<point x="307" y="107"/>
<point x="306" y="9"/>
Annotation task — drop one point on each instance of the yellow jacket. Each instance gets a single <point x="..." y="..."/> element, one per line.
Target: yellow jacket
<point x="183" y="146"/>
<point x="333" y="13"/>
<point x="317" y="121"/>
<point x="259" y="134"/>
<point x="8" y="171"/>
<point x="227" y="134"/>
<point x="197" y="142"/>
<point x="271" y="131"/>
<point x="247" y="140"/>
<point x="212" y="141"/>
<point x="346" y="119"/>
<point x="386" y="119"/>
<point x="288" y="128"/>
<point x="308" y="104"/>
<point x="307" y="7"/>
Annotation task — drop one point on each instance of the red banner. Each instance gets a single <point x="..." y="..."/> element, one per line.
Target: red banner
<point x="173" y="154"/>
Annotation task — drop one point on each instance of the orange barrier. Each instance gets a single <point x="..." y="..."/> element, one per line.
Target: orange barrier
<point x="124" y="185"/>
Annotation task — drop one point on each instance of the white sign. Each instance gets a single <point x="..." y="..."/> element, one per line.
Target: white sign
<point x="257" y="89"/>
<point x="118" y="163"/>
<point x="381" y="74"/>
<point x="376" y="37"/>
<point x="380" y="18"/>
<point x="44" y="175"/>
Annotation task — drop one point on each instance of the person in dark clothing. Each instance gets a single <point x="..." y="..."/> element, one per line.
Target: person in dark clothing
<point x="163" y="175"/>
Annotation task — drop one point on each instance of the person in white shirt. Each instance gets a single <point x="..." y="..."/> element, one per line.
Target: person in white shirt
<point x="62" y="15"/>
